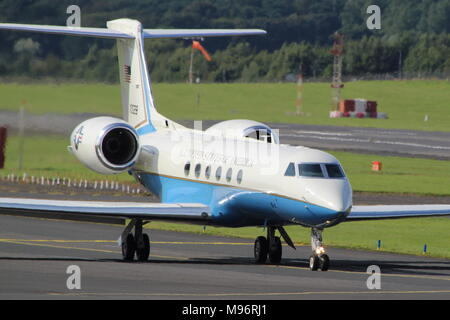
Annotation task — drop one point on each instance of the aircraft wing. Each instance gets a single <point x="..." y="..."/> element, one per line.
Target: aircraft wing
<point x="183" y="212"/>
<point x="397" y="212"/>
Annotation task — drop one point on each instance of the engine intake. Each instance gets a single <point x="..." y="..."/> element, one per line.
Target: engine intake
<point x="118" y="146"/>
<point x="106" y="145"/>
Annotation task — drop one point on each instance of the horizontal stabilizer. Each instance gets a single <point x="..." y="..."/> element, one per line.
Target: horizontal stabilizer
<point x="198" y="33"/>
<point x="74" y="31"/>
<point x="147" y="33"/>
<point x="397" y="212"/>
<point x="151" y="211"/>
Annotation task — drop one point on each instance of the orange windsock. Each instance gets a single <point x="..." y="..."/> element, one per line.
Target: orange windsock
<point x="198" y="46"/>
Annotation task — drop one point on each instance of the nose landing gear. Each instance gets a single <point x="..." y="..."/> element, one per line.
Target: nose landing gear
<point x="318" y="260"/>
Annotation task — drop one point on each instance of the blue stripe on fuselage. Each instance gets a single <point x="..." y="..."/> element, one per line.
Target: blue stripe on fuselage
<point x="145" y="79"/>
<point x="234" y="207"/>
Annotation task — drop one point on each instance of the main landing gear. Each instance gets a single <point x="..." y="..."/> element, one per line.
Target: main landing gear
<point x="138" y="245"/>
<point x="270" y="247"/>
<point x="318" y="259"/>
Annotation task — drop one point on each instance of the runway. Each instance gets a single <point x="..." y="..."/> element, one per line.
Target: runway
<point x="405" y="143"/>
<point x="402" y="143"/>
<point x="36" y="252"/>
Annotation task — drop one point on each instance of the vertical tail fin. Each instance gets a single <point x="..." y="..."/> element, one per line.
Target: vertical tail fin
<point x="137" y="100"/>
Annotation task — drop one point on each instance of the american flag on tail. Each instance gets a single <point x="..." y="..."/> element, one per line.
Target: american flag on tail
<point x="127" y="73"/>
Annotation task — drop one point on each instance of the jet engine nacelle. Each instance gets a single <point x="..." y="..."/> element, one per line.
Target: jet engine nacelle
<point x="106" y="145"/>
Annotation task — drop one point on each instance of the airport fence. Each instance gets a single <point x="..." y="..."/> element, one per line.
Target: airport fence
<point x="80" y="184"/>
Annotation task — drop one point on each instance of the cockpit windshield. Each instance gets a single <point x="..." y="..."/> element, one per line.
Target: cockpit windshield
<point x="334" y="171"/>
<point x="320" y="170"/>
<point x="310" y="170"/>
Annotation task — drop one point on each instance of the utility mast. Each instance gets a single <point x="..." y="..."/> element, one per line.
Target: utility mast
<point x="336" y="84"/>
<point x="299" y="101"/>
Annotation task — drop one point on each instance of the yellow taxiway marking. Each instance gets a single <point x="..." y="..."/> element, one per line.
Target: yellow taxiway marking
<point x="24" y="242"/>
<point x="264" y="294"/>
<point x="58" y="241"/>
<point x="112" y="241"/>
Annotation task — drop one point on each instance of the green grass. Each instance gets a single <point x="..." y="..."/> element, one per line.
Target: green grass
<point x="48" y="156"/>
<point x="63" y="98"/>
<point x="406" y="236"/>
<point x="399" y="175"/>
<point x="406" y="102"/>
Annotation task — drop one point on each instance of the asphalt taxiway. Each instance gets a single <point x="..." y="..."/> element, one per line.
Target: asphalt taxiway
<point x="36" y="252"/>
<point x="394" y="142"/>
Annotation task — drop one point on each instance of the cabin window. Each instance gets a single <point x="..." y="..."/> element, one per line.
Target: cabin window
<point x="218" y="173"/>
<point x="187" y="168"/>
<point x="197" y="170"/>
<point x="229" y="174"/>
<point x="334" y="171"/>
<point x="310" y="170"/>
<point x="239" y="176"/>
<point x="208" y="172"/>
<point x="290" y="171"/>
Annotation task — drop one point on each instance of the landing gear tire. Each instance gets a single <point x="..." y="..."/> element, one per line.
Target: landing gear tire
<point x="314" y="262"/>
<point x="143" y="253"/>
<point x="261" y="250"/>
<point x="324" y="262"/>
<point x="129" y="248"/>
<point x="321" y="262"/>
<point x="275" y="251"/>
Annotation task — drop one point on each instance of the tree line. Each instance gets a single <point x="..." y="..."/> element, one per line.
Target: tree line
<point x="413" y="39"/>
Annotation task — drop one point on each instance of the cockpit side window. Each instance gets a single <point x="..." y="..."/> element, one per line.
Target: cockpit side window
<point x="310" y="170"/>
<point x="334" y="171"/>
<point x="290" y="171"/>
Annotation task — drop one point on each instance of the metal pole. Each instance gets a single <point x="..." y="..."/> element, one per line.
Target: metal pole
<point x="299" y="94"/>
<point x="21" y="135"/>
<point x="191" y="66"/>
<point x="3" y="137"/>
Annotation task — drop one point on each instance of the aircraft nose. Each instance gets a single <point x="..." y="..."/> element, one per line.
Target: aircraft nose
<point x="335" y="195"/>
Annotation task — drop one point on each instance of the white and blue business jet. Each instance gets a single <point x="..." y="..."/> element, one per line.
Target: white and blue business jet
<point x="234" y="174"/>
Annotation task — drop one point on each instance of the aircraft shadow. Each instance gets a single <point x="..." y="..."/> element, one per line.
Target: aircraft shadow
<point x="420" y="268"/>
<point x="425" y="268"/>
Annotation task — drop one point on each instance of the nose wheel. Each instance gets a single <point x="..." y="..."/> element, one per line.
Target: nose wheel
<point x="318" y="260"/>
